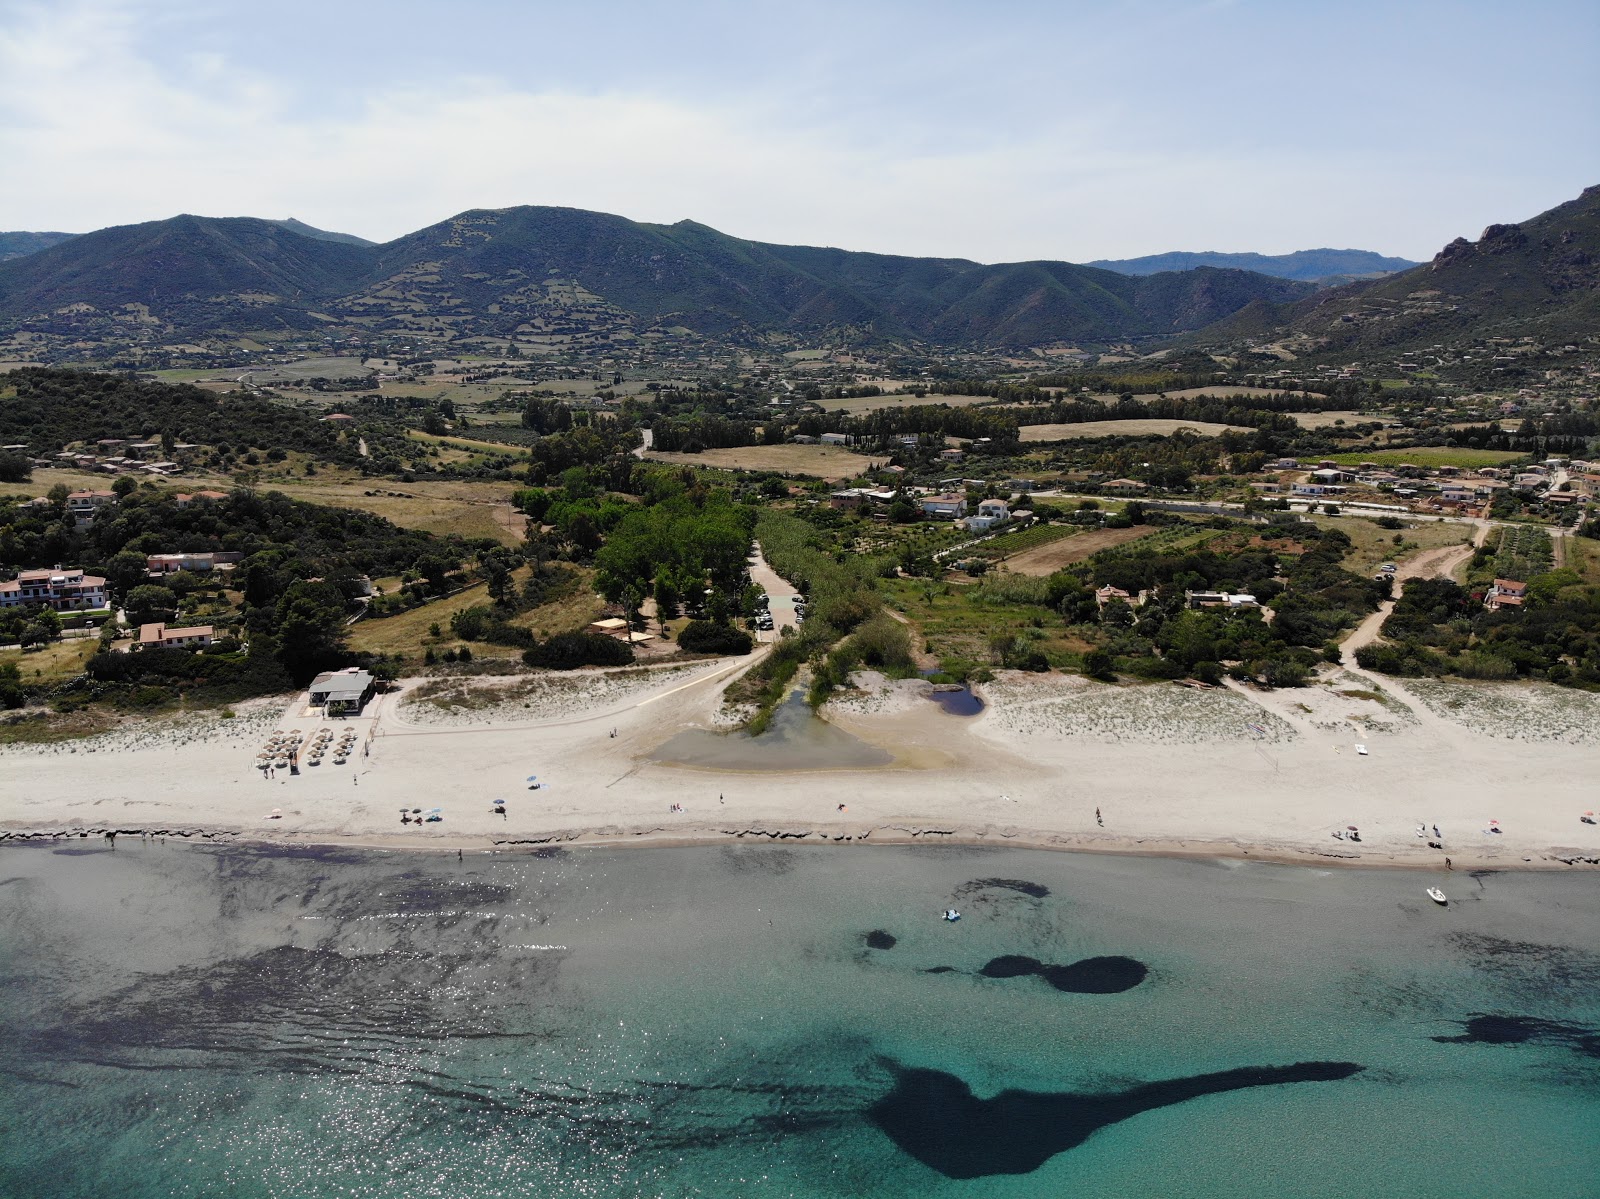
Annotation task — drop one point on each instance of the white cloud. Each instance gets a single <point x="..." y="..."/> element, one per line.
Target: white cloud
<point x="94" y="132"/>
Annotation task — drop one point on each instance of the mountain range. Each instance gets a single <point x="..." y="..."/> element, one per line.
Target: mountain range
<point x="493" y="272"/>
<point x="497" y="272"/>
<point x="1309" y="266"/>
<point x="1539" y="278"/>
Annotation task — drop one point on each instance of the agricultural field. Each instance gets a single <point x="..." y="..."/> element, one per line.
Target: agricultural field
<point x="859" y="404"/>
<point x="1325" y="420"/>
<point x="1429" y="455"/>
<point x="466" y="507"/>
<point x="818" y="461"/>
<point x="1372" y="546"/>
<point x="1522" y="551"/>
<point x="1008" y="544"/>
<point x="1124" y="428"/>
<point x="1049" y="557"/>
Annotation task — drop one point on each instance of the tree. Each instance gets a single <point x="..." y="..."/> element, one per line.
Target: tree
<point x="124" y="486"/>
<point x="15" y="468"/>
<point x="42" y="628"/>
<point x="125" y="571"/>
<point x="499" y="581"/>
<point x="666" y="596"/>
<point x="1098" y="664"/>
<point x="148" y="603"/>
<point x="11" y="693"/>
<point x="309" y="624"/>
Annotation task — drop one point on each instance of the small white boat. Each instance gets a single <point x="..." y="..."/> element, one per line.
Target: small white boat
<point x="952" y="915"/>
<point x="1437" y="896"/>
<point x="1362" y="750"/>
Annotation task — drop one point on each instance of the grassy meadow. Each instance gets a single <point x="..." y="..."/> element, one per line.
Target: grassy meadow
<point x="1372" y="546"/>
<point x="59" y="660"/>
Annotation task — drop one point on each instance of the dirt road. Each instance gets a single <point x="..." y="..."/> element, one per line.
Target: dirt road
<point x="1431" y="564"/>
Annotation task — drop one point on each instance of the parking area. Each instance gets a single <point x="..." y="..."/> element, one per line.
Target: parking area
<point x="784" y="606"/>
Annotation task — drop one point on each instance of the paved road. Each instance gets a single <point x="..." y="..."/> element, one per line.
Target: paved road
<point x="780" y="596"/>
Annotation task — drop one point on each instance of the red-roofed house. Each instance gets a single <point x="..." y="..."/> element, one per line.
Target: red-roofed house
<point x="158" y="636"/>
<point x="1506" y="593"/>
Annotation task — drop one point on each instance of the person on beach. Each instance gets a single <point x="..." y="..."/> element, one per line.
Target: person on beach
<point x="1098" y="819"/>
<point x="1447" y="864"/>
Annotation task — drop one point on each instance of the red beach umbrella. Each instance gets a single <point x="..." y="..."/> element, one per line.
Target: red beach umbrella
<point x="1352" y="828"/>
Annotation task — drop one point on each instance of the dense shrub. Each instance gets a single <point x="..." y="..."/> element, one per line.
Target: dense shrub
<point x="568" y="651"/>
<point x="708" y="637"/>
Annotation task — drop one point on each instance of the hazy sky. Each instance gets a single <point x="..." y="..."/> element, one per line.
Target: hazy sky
<point x="1002" y="130"/>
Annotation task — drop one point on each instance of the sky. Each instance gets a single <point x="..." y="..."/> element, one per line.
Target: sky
<point x="998" y="131"/>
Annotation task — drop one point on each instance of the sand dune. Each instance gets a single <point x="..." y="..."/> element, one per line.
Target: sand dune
<point x="1227" y="773"/>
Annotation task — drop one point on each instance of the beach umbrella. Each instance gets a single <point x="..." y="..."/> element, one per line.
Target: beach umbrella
<point x="1352" y="828"/>
<point x="531" y="777"/>
<point x="416" y="811"/>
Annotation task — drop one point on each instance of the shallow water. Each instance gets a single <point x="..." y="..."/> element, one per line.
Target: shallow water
<point x="716" y="1021"/>
<point x="796" y="739"/>
<point x="958" y="703"/>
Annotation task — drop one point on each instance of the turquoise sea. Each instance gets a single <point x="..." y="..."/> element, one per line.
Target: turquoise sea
<point x="771" y="1021"/>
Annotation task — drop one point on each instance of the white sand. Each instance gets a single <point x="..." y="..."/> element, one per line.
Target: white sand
<point x="1173" y="771"/>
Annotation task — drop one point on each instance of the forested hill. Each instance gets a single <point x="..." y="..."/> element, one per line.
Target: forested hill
<point x="492" y="271"/>
<point x="1540" y="278"/>
<point x="1309" y="266"/>
<point x="16" y="245"/>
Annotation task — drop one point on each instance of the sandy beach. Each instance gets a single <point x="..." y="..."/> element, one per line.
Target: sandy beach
<point x="1234" y="772"/>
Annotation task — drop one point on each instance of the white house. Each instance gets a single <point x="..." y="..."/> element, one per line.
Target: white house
<point x="66" y="589"/>
<point x="84" y="505"/>
<point x="952" y="505"/>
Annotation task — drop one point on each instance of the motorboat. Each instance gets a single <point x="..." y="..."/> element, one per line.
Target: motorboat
<point x="1362" y="750"/>
<point x="952" y="915"/>
<point x="1437" y="896"/>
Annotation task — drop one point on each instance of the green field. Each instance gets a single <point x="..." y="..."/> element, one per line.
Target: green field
<point x="1432" y="455"/>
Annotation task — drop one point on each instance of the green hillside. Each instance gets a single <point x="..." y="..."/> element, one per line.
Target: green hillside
<point x="498" y="272"/>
